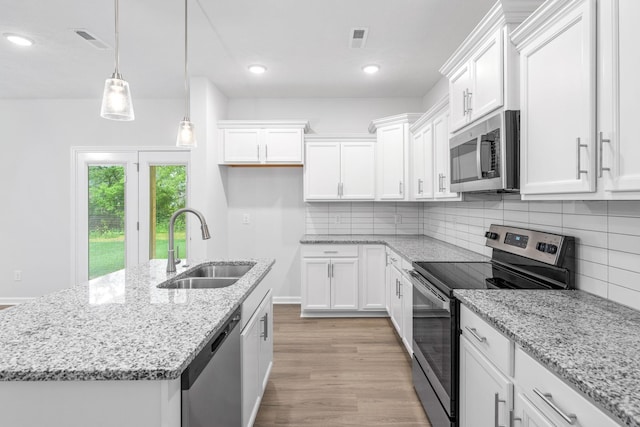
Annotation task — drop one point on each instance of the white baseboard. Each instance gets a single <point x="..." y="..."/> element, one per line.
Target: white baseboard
<point x="336" y="313"/>
<point x="287" y="300"/>
<point x="15" y="301"/>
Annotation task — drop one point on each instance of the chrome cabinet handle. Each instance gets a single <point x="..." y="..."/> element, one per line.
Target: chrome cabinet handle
<point x="265" y="325"/>
<point x="266" y="152"/>
<point x="400" y="187"/>
<point x="578" y="169"/>
<point x="602" y="141"/>
<point x="497" y="402"/>
<point x="329" y="270"/>
<point x="444" y="187"/>
<point x="341" y="189"/>
<point x="330" y="252"/>
<point x="399" y="289"/>
<point x="464" y="102"/>
<point x="469" y="94"/>
<point x="547" y="398"/>
<point x="258" y="148"/>
<point x="420" y="190"/>
<point x="474" y="333"/>
<point x="513" y="418"/>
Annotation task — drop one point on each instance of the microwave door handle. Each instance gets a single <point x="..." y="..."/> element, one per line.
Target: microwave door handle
<point x="479" y="156"/>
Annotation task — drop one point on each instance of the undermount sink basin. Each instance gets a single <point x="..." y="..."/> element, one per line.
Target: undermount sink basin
<point x="200" y="283"/>
<point x="220" y="270"/>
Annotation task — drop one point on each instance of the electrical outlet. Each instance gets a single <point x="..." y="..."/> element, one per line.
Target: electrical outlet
<point x="246" y="219"/>
<point x="17" y="275"/>
<point x="337" y="219"/>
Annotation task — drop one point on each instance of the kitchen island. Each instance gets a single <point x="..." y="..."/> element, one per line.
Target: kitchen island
<point x="111" y="351"/>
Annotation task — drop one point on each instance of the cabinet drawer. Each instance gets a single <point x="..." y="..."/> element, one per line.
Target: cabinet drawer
<point x="531" y="376"/>
<point x="394" y="259"/>
<point x="494" y="345"/>
<point x="329" y="251"/>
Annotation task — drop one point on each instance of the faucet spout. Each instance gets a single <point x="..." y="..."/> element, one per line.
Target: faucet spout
<point x="171" y="260"/>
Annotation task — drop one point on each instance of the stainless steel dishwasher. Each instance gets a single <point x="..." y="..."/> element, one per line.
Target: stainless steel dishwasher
<point x="211" y="384"/>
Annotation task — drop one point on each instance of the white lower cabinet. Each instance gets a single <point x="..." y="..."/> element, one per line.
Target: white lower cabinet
<point x="527" y="414"/>
<point x="372" y="277"/>
<point x="256" y="342"/>
<point x="400" y="300"/>
<point x="485" y="392"/>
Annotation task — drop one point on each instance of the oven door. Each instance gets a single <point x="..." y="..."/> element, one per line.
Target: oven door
<point x="434" y="341"/>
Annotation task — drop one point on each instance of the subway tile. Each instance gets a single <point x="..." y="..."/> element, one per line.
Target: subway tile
<point x="624" y="243"/>
<point x="584" y="207"/>
<point x="497" y="214"/>
<point x="517" y="216"/>
<point x="626" y="278"/>
<point x="476" y="247"/>
<point x="584" y="222"/>
<point x="624" y="260"/>
<point x="587" y="237"/>
<point x="592" y="269"/>
<point x="592" y="253"/>
<point x="624" y="225"/>
<point x="516" y="205"/>
<point x="624" y="208"/>
<point x="625" y="296"/>
<point x="591" y="285"/>
<point x="516" y="224"/>
<point x="543" y="218"/>
<point x="546" y="228"/>
<point x="543" y="206"/>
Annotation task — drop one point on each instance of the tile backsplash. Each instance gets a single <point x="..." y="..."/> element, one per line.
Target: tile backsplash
<point x="607" y="232"/>
<point x="607" y="235"/>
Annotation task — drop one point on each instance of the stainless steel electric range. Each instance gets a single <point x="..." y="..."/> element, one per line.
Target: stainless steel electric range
<point x="522" y="259"/>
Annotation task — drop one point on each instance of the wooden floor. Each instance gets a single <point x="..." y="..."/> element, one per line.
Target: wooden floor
<point x="338" y="372"/>
<point x="4" y="306"/>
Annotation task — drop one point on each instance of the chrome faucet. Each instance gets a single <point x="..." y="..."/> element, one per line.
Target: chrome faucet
<point x="171" y="260"/>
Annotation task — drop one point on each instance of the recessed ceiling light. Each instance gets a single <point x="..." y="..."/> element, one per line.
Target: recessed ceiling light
<point x="371" y="69"/>
<point x="257" y="69"/>
<point x="19" y="40"/>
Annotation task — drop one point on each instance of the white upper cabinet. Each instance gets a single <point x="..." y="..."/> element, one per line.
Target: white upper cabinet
<point x="618" y="94"/>
<point x="339" y="168"/>
<point x="429" y="174"/>
<point x="558" y="99"/>
<point x="392" y="171"/>
<point x="478" y="70"/>
<point x="261" y="142"/>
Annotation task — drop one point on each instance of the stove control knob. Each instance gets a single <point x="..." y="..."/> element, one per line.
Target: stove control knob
<point x="552" y="249"/>
<point x="542" y="247"/>
<point x="491" y="235"/>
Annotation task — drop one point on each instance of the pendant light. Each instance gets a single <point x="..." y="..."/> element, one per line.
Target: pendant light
<point x="186" y="129"/>
<point x="116" y="99"/>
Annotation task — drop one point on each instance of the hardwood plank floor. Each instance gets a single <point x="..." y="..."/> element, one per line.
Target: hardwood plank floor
<point x="4" y="306"/>
<point x="338" y="372"/>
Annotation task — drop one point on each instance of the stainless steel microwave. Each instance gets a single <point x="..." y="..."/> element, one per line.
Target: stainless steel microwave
<point x="486" y="156"/>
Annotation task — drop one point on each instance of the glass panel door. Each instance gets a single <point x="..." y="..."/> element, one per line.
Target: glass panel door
<point x="163" y="190"/>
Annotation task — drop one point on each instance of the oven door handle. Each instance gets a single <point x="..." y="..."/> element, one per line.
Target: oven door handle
<point x="430" y="294"/>
<point x="479" y="156"/>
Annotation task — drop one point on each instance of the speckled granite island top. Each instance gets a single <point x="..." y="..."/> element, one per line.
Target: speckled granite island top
<point x="118" y="327"/>
<point x="411" y="247"/>
<point x="590" y="342"/>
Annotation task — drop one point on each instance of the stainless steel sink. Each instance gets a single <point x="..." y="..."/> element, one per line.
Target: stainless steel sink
<point x="221" y="270"/>
<point x="200" y="283"/>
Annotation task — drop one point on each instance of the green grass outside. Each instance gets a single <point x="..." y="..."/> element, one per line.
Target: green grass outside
<point x="106" y="254"/>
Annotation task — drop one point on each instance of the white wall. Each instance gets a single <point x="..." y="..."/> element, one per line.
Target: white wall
<point x="37" y="136"/>
<point x="436" y="93"/>
<point x="273" y="196"/>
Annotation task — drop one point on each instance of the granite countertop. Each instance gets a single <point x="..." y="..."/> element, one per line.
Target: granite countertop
<point x="119" y="326"/>
<point x="590" y="342"/>
<point x="411" y="247"/>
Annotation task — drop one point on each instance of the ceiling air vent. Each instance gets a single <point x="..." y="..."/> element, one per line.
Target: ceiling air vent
<point x="91" y="39"/>
<point x="358" y="37"/>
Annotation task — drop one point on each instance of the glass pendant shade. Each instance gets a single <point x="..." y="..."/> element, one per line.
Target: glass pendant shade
<point x="186" y="134"/>
<point x="116" y="100"/>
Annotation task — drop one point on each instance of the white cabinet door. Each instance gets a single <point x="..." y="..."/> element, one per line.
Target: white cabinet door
<point x="250" y="350"/>
<point x="391" y="145"/>
<point x="322" y="171"/>
<point x="418" y="163"/>
<point x="406" y="294"/>
<point x="459" y="86"/>
<point x="372" y="277"/>
<point x="344" y="283"/>
<point x="527" y="414"/>
<point x="395" y="303"/>
<point x="487" y="71"/>
<point x="241" y="145"/>
<point x="316" y="283"/>
<point x="282" y="145"/>
<point x="621" y="67"/>
<point x="557" y="93"/>
<point x="265" y="342"/>
<point x="485" y="392"/>
<point x="442" y="178"/>
<point x="357" y="171"/>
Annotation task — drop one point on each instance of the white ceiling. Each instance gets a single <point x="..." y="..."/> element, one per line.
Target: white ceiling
<point x="304" y="44"/>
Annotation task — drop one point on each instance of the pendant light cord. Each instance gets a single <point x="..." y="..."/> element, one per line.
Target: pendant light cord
<point x="117" y="72"/>
<point x="186" y="73"/>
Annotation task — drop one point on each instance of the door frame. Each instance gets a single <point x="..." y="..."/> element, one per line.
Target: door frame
<point x="79" y="199"/>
